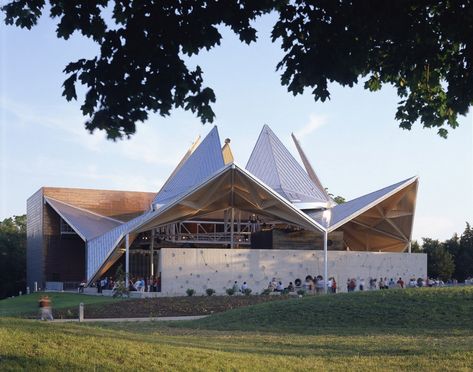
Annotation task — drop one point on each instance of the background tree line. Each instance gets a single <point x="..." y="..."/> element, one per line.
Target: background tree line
<point x="452" y="258"/>
<point x="12" y="256"/>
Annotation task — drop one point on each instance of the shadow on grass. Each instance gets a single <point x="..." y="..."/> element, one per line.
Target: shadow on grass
<point x="399" y="342"/>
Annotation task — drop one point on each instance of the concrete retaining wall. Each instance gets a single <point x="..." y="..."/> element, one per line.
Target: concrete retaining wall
<point x="199" y="269"/>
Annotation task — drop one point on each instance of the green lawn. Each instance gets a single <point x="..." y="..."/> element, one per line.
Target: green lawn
<point x="426" y="308"/>
<point x="28" y="304"/>
<point x="428" y="330"/>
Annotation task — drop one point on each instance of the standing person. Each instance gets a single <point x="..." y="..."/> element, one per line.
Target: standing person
<point x="381" y="283"/>
<point x="329" y="285"/>
<point x="348" y="285"/>
<point x="400" y="283"/>
<point x="362" y="284"/>
<point x="320" y="285"/>
<point x="352" y="285"/>
<point x="334" y="285"/>
<point x="45" y="308"/>
<point x="158" y="283"/>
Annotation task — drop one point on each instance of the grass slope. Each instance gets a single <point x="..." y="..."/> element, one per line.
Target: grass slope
<point x="35" y="346"/>
<point x="439" y="308"/>
<point x="427" y="330"/>
<point x="28" y="304"/>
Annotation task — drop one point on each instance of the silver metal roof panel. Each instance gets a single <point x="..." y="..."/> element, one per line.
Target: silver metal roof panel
<point x="272" y="163"/>
<point x="204" y="161"/>
<point x="86" y="224"/>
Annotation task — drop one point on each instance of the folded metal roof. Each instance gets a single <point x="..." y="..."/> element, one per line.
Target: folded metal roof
<point x="231" y="186"/>
<point x="343" y="212"/>
<point x="206" y="159"/>
<point x="273" y="184"/>
<point x="86" y="224"/>
<point x="310" y="170"/>
<point x="378" y="221"/>
<point x="272" y="163"/>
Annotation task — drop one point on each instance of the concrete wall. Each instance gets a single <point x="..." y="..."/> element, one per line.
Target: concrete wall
<point x="198" y="268"/>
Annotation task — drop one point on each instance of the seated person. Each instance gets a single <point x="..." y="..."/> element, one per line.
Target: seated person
<point x="309" y="283"/>
<point x="244" y="287"/>
<point x="235" y="287"/>
<point x="291" y="287"/>
<point x="279" y="287"/>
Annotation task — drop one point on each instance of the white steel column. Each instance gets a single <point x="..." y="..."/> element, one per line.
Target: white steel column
<point x="232" y="217"/>
<point x="232" y="227"/>
<point x="151" y="255"/>
<point x="325" y="260"/>
<point x="409" y="247"/>
<point x="127" y="259"/>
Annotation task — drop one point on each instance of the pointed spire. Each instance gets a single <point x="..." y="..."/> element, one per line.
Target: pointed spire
<point x="272" y="163"/>
<point x="206" y="159"/>
<point x="308" y="167"/>
<point x="227" y="152"/>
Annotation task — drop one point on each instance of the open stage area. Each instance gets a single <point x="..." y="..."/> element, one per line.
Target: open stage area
<point x="421" y="329"/>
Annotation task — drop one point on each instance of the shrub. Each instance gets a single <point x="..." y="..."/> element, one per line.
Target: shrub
<point x="301" y="292"/>
<point x="230" y="291"/>
<point x="190" y="292"/>
<point x="121" y="289"/>
<point x="266" y="292"/>
<point x="247" y="291"/>
<point x="285" y="291"/>
<point x="210" y="291"/>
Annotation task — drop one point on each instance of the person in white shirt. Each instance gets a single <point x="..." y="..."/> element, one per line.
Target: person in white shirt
<point x="279" y="287"/>
<point x="329" y="285"/>
<point x="244" y="286"/>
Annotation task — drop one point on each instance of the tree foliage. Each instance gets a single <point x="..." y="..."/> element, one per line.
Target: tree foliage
<point x="464" y="257"/>
<point x="12" y="256"/>
<point x="440" y="262"/>
<point x="422" y="48"/>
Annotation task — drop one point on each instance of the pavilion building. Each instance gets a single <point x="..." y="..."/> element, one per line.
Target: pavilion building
<point x="214" y="222"/>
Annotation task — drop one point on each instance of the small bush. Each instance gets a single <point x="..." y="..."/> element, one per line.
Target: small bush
<point x="247" y="291"/>
<point x="230" y="291"/>
<point x="301" y="292"/>
<point x="285" y="291"/>
<point x="190" y="292"/>
<point x="210" y="291"/>
<point x="266" y="292"/>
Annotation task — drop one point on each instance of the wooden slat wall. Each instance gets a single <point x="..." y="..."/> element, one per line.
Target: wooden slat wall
<point x="122" y="205"/>
<point x="306" y="240"/>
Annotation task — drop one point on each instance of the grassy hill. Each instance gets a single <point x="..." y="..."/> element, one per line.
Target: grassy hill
<point x="28" y="304"/>
<point x="421" y="330"/>
<point x="409" y="308"/>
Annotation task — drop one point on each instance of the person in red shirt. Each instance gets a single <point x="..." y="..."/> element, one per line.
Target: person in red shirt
<point x="400" y="283"/>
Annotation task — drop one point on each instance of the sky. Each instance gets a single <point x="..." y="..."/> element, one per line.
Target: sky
<point x="353" y="141"/>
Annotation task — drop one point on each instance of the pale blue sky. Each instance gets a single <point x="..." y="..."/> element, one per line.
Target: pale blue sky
<point x="353" y="141"/>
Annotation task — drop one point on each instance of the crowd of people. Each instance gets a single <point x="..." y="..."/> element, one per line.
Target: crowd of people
<point x="135" y="284"/>
<point x="311" y="284"/>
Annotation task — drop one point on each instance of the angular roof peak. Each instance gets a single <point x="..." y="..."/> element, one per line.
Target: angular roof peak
<point x="272" y="163"/>
<point x="309" y="169"/>
<point x="206" y="159"/>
